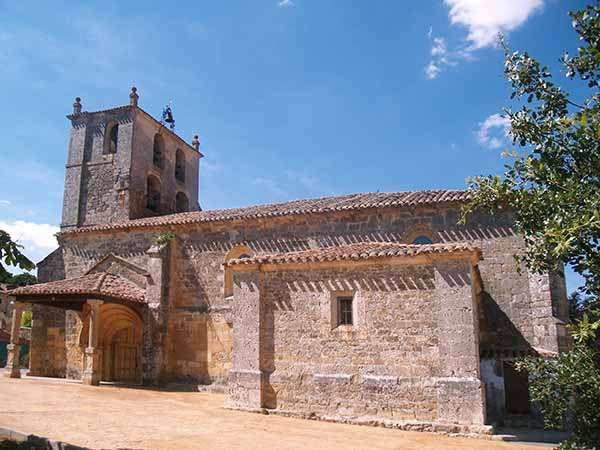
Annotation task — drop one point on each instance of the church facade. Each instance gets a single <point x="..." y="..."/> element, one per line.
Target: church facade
<point x="371" y="307"/>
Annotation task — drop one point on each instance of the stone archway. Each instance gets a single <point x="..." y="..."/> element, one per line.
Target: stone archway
<point x="120" y="337"/>
<point x="119" y="342"/>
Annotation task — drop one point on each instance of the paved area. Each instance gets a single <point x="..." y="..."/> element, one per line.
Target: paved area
<point x="110" y="417"/>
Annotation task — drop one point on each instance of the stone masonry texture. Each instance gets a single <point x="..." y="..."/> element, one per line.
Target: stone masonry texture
<point x="431" y="331"/>
<point x="196" y="337"/>
<point x="412" y="353"/>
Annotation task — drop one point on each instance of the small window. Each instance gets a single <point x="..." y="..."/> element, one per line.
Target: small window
<point x="153" y="194"/>
<point x="344" y="305"/>
<point x="111" y="138"/>
<point x="158" y="151"/>
<point x="180" y="165"/>
<point x="181" y="203"/>
<point x="422" y="240"/>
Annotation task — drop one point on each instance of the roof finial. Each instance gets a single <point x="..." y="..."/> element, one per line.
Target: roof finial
<point x="196" y="142"/>
<point x="77" y="106"/>
<point x="133" y="97"/>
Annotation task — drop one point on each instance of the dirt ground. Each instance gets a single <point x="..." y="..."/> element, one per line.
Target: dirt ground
<point x="108" y="417"/>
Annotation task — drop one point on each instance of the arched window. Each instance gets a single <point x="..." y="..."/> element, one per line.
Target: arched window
<point x="420" y="234"/>
<point x="422" y="240"/>
<point x="111" y="138"/>
<point x="181" y="203"/>
<point x="153" y="194"/>
<point x="179" y="165"/>
<point x="158" y="151"/>
<point x="239" y="252"/>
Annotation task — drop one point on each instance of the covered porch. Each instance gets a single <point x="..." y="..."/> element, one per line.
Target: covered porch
<point x="112" y="311"/>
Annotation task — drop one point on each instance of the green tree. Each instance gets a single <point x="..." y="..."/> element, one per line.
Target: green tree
<point x="552" y="183"/>
<point x="570" y="384"/>
<point x="23" y="279"/>
<point x="26" y="319"/>
<point x="11" y="255"/>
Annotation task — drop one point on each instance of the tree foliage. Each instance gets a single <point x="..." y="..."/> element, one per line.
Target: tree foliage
<point x="24" y="279"/>
<point x="11" y="255"/>
<point x="569" y="386"/>
<point x="552" y="184"/>
<point x="21" y="279"/>
<point x="26" y="319"/>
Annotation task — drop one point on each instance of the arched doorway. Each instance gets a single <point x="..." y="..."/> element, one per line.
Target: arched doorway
<point x="120" y="339"/>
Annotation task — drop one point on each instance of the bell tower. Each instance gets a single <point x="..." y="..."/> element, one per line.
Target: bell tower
<point x="124" y="164"/>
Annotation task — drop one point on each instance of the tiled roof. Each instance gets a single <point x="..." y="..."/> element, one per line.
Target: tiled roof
<point x="295" y="207"/>
<point x="99" y="283"/>
<point x="4" y="288"/>
<point x="362" y="250"/>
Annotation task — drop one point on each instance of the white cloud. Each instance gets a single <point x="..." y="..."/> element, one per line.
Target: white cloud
<point x="5" y="202"/>
<point x="439" y="47"/>
<point x="37" y="238"/>
<point x="440" y="56"/>
<point x="285" y="3"/>
<point x="432" y="70"/>
<point x="484" y="19"/>
<point x="493" y="131"/>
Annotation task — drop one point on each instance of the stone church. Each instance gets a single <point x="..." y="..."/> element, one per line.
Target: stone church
<point x="367" y="308"/>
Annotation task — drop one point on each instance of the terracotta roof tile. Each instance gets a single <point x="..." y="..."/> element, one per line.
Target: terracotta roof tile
<point x="99" y="283"/>
<point x="362" y="250"/>
<point x="295" y="207"/>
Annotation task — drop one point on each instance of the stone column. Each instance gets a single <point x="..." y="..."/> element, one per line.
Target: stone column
<point x="93" y="363"/>
<point x="549" y="312"/>
<point x="13" y="366"/>
<point x="246" y="379"/>
<point x="158" y="295"/>
<point x="459" y="388"/>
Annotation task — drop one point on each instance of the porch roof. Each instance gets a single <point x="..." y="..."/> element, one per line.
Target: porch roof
<point x="359" y="251"/>
<point x="93" y="285"/>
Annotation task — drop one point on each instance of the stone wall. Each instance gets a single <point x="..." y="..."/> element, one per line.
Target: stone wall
<point x="411" y="353"/>
<point x="102" y="187"/>
<point x="47" y="355"/>
<point x="96" y="183"/>
<point x="198" y="315"/>
<point x="142" y="166"/>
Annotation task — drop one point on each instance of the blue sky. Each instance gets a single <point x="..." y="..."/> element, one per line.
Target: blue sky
<point x="291" y="98"/>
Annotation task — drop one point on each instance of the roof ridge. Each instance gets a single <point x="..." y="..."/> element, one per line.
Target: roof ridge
<point x="90" y="284"/>
<point x="344" y="202"/>
<point x="100" y="280"/>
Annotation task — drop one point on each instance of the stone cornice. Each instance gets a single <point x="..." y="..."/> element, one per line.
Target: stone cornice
<point x="137" y="109"/>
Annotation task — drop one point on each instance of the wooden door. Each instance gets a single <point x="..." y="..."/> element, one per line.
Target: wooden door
<point x="125" y="356"/>
<point x="516" y="390"/>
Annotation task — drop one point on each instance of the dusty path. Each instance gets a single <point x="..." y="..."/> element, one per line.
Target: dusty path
<point x="110" y="417"/>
